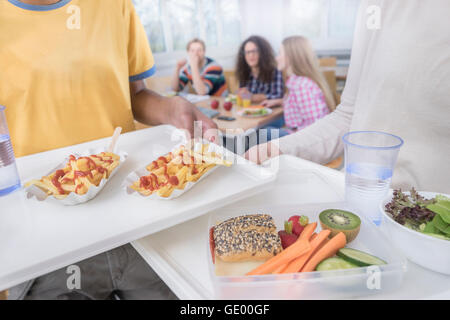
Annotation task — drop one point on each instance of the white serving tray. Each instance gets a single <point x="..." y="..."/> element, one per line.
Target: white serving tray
<point x="184" y="265"/>
<point x="39" y="237"/>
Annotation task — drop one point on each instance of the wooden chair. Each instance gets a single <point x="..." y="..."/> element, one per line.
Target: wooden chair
<point x="232" y="83"/>
<point x="330" y="77"/>
<point x="328" y="62"/>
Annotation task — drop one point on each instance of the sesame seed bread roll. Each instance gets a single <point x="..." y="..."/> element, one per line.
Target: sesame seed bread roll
<point x="246" y="238"/>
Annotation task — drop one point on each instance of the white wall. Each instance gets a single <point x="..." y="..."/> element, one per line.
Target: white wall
<point x="263" y="17"/>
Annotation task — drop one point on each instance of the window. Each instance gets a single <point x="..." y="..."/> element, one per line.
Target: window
<point x="182" y="15"/>
<point x="231" y="21"/>
<point x="210" y="30"/>
<point x="150" y="13"/>
<point x="304" y="17"/>
<point x="341" y="23"/>
<point x="170" y="24"/>
<point x="328" y="23"/>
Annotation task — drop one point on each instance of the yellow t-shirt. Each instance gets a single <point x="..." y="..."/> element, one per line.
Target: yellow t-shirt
<point x="65" y="70"/>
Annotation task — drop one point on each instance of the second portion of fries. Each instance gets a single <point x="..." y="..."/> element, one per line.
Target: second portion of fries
<point x="78" y="175"/>
<point x="176" y="169"/>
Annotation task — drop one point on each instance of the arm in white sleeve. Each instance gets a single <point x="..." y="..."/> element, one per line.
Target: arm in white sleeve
<point x="322" y="141"/>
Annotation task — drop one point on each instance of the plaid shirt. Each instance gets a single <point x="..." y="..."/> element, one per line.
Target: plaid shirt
<point x="272" y="90"/>
<point x="304" y="104"/>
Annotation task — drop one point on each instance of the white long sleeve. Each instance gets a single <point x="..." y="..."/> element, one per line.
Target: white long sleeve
<point x="398" y="82"/>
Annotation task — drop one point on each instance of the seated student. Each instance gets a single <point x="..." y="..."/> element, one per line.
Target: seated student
<point x="256" y="70"/>
<point x="203" y="73"/>
<point x="309" y="98"/>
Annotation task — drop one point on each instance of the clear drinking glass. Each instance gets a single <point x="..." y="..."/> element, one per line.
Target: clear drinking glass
<point x="370" y="158"/>
<point x="246" y="100"/>
<point x="9" y="177"/>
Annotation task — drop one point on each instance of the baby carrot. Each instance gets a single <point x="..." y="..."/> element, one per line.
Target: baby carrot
<point x="298" y="248"/>
<point x="297" y="264"/>
<point x="327" y="251"/>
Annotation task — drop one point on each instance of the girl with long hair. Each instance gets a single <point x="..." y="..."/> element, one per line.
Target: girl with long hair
<point x="256" y="70"/>
<point x="308" y="98"/>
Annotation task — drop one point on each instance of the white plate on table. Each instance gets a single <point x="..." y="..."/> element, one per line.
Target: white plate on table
<point x="242" y="113"/>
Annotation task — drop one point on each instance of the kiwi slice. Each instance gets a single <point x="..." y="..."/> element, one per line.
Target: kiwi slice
<point x="337" y="221"/>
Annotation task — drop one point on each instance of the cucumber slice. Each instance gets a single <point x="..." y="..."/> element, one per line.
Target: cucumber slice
<point x="359" y="258"/>
<point x="334" y="264"/>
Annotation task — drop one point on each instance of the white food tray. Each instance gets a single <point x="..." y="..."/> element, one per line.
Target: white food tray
<point x="37" y="237"/>
<point x="183" y="265"/>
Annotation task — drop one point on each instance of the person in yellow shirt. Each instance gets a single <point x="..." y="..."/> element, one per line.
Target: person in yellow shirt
<point x="70" y="72"/>
<point x="73" y="70"/>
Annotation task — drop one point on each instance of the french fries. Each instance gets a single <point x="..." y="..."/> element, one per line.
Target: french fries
<point x="176" y="169"/>
<point x="78" y="175"/>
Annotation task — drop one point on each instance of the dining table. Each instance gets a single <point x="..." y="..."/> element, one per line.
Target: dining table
<point x="238" y="126"/>
<point x="241" y="123"/>
<point x="236" y="132"/>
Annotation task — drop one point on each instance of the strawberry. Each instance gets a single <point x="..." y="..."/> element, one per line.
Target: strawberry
<point x="297" y="228"/>
<point x="298" y="223"/>
<point x="286" y="235"/>
<point x="286" y="238"/>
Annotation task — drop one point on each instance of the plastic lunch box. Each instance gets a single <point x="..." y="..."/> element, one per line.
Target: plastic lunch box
<point x="312" y="285"/>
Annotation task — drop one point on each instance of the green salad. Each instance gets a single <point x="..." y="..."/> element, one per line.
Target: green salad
<point x="429" y="216"/>
<point x="259" y="112"/>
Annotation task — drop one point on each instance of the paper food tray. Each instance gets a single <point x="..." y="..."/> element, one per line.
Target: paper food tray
<point x="74" y="199"/>
<point x="137" y="174"/>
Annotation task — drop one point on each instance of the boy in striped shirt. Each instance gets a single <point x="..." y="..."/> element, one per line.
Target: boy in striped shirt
<point x="204" y="74"/>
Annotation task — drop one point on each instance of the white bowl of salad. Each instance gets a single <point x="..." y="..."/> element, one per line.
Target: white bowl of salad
<point x="418" y="224"/>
